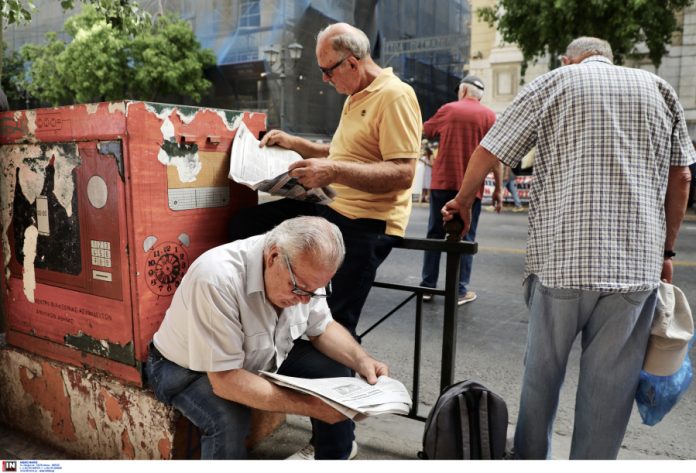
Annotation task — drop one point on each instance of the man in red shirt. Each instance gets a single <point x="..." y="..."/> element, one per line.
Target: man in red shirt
<point x="460" y="126"/>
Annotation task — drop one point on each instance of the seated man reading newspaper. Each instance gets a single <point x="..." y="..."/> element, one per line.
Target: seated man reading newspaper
<point x="242" y="308"/>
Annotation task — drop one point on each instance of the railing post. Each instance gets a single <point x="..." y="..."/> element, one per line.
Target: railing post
<point x="453" y="228"/>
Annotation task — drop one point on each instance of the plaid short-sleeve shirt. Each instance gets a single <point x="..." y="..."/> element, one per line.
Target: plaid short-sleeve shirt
<point x="605" y="137"/>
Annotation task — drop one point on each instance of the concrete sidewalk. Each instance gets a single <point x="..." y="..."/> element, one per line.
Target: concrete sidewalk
<point x="389" y="438"/>
<point x="386" y="437"/>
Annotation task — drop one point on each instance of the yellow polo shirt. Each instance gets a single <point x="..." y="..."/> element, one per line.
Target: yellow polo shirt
<point x="379" y="123"/>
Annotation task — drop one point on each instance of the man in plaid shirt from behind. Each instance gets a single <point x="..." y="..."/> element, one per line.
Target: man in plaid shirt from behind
<point x="610" y="187"/>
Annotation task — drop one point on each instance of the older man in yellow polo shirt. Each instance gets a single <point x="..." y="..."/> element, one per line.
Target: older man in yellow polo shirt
<point x="370" y="163"/>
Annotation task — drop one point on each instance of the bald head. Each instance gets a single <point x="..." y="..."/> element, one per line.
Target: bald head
<point x="342" y="37"/>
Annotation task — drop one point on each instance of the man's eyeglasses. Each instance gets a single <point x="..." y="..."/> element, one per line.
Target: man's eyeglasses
<point x="301" y="292"/>
<point x="330" y="70"/>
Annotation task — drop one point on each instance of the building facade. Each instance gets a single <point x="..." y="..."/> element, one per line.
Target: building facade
<point x="425" y="41"/>
<point x="499" y="64"/>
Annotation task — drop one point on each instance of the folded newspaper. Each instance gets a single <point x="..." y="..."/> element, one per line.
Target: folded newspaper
<point x="266" y="169"/>
<point x="353" y="397"/>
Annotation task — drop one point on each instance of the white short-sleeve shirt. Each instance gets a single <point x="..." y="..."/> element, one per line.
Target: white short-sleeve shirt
<point x="220" y="318"/>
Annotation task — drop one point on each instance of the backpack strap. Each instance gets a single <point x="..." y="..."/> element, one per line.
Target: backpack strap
<point x="484" y="433"/>
<point x="464" y="427"/>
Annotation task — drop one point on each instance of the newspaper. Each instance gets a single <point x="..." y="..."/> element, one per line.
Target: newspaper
<point x="266" y="169"/>
<point x="353" y="397"/>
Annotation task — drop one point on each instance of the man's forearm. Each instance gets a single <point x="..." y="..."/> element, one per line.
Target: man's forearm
<point x="675" y="202"/>
<point x="338" y="344"/>
<point x="310" y="149"/>
<point x="498" y="174"/>
<point x="244" y="387"/>
<point x="481" y="163"/>
<point x="376" y="178"/>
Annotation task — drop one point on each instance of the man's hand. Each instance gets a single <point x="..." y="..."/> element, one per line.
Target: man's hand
<point x="497" y="199"/>
<point x="371" y="369"/>
<point x="338" y="344"/>
<point x="313" y="173"/>
<point x="277" y="138"/>
<point x="306" y="148"/>
<point x="454" y="207"/>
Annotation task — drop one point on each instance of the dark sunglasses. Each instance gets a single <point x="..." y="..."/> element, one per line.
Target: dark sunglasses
<point x="301" y="292"/>
<point x="329" y="70"/>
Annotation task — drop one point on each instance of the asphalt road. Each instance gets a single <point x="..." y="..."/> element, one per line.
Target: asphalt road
<point x="492" y="331"/>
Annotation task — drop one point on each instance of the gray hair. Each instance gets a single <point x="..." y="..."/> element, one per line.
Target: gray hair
<point x="473" y="91"/>
<point x="313" y="236"/>
<point x="588" y="44"/>
<point x="354" y="41"/>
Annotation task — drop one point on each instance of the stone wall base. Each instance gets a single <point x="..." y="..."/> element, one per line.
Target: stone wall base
<point x="91" y="415"/>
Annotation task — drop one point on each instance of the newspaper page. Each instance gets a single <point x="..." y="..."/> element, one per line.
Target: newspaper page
<point x="266" y="169"/>
<point x="353" y="397"/>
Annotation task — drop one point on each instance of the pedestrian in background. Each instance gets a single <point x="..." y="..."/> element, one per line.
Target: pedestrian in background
<point x="604" y="215"/>
<point x="692" y="188"/>
<point x="460" y="127"/>
<point x="426" y="161"/>
<point x="509" y="180"/>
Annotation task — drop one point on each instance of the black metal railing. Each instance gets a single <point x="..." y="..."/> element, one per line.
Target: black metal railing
<point x="453" y="249"/>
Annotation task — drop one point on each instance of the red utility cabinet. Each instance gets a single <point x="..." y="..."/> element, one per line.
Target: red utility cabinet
<point x="103" y="208"/>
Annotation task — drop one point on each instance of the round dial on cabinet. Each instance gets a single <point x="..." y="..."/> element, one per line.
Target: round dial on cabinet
<point x="166" y="265"/>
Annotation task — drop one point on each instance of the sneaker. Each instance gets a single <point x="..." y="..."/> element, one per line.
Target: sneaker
<point x="307" y="452"/>
<point x="353" y="450"/>
<point x="427" y="297"/>
<point x="518" y="209"/>
<point x="470" y="296"/>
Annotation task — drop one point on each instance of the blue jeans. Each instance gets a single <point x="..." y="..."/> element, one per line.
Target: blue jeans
<point x="615" y="330"/>
<point x="224" y="424"/>
<point x="367" y="247"/>
<point x="431" y="259"/>
<point x="511" y="186"/>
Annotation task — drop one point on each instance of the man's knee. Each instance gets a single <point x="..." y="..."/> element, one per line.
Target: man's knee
<point x="226" y="421"/>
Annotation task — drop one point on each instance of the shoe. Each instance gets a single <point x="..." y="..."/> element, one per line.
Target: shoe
<point x="353" y="450"/>
<point x="307" y="452"/>
<point x="518" y="209"/>
<point x="427" y="297"/>
<point x="470" y="296"/>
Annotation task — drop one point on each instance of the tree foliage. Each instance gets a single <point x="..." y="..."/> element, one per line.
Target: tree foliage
<point x="122" y="14"/>
<point x="169" y="60"/>
<point x="20" y="11"/>
<point x="542" y="27"/>
<point x="12" y="79"/>
<point x="44" y="70"/>
<point x="107" y="60"/>
<point x="15" y="11"/>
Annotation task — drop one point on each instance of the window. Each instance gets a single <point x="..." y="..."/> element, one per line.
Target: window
<point x="249" y="13"/>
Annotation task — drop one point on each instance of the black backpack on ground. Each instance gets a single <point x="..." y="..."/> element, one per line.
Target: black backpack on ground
<point x="468" y="422"/>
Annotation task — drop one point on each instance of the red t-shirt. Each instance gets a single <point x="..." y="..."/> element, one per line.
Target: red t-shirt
<point x="461" y="126"/>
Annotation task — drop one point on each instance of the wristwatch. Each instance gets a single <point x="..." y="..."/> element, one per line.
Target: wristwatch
<point x="670" y="254"/>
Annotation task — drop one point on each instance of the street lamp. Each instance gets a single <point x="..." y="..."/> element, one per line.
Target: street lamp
<point x="273" y="55"/>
